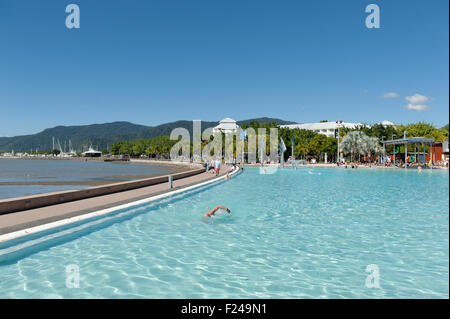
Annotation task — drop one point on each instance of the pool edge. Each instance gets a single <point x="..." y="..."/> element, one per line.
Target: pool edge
<point x="67" y="221"/>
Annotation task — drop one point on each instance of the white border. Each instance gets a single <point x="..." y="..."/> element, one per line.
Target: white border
<point x="62" y="222"/>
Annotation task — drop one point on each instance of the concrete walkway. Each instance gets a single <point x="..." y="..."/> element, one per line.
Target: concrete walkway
<point x="34" y="217"/>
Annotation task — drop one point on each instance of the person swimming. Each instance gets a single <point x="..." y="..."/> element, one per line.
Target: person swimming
<point x="215" y="209"/>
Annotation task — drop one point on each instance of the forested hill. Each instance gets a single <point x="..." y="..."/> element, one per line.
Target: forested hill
<point x="101" y="135"/>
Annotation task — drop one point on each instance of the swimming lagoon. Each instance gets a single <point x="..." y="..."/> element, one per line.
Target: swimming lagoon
<point x="305" y="233"/>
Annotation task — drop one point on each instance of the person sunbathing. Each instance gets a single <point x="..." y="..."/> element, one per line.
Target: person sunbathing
<point x="214" y="210"/>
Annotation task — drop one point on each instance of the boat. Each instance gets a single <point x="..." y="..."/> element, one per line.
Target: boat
<point x="91" y="153"/>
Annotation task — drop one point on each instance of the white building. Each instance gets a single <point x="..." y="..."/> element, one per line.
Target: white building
<point x="326" y="128"/>
<point x="226" y="126"/>
<point x="330" y="128"/>
<point x="387" y="123"/>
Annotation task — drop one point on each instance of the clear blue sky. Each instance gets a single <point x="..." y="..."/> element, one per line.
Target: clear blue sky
<point x="156" y="61"/>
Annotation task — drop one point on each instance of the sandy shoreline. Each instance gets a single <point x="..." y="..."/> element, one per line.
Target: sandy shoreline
<point x="319" y="165"/>
<point x="176" y="164"/>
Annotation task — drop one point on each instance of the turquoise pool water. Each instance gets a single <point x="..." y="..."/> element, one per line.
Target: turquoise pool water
<point x="306" y="233"/>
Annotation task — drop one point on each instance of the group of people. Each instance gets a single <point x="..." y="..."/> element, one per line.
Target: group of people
<point x="352" y="165"/>
<point x="345" y="165"/>
<point x="213" y="165"/>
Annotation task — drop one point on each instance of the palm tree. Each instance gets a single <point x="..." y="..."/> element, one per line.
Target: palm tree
<point x="350" y="143"/>
<point x="358" y="143"/>
<point x="375" y="147"/>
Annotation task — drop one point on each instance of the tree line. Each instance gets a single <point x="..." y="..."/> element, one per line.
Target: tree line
<point x="362" y="140"/>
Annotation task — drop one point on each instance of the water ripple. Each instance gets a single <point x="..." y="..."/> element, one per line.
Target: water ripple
<point x="293" y="234"/>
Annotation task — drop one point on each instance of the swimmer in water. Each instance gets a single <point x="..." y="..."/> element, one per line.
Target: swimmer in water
<point x="214" y="210"/>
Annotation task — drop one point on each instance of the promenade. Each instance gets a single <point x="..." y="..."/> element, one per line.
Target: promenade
<point x="16" y="221"/>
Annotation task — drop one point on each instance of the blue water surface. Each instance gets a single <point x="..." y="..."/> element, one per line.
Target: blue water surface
<point x="305" y="233"/>
<point x="45" y="170"/>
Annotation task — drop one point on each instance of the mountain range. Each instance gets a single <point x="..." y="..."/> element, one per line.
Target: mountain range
<point x="102" y="135"/>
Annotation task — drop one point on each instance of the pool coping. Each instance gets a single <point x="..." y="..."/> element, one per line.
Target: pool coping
<point x="85" y="216"/>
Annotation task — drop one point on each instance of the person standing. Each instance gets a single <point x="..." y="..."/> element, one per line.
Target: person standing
<point x="217" y="166"/>
<point x="212" y="165"/>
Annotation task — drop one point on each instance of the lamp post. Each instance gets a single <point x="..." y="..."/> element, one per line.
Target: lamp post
<point x="384" y="147"/>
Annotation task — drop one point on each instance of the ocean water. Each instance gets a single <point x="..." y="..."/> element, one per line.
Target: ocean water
<point x="35" y="170"/>
<point x="305" y="233"/>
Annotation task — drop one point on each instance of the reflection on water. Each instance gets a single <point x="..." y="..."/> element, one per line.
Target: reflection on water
<point x="62" y="171"/>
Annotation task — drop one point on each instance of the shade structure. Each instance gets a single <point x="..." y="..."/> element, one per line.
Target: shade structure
<point x="412" y="140"/>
